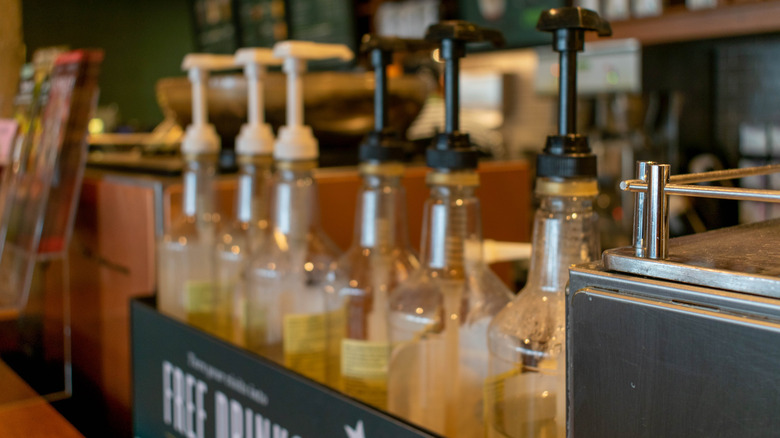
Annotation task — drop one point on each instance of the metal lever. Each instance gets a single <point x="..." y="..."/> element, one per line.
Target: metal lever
<point x="453" y="36"/>
<point x="380" y="50"/>
<point x="452" y="149"/>
<point x="654" y="185"/>
<point x="568" y="154"/>
<point x="568" y="26"/>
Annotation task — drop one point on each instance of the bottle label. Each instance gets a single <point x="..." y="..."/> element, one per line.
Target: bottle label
<point x="305" y="343"/>
<point x="206" y="310"/>
<point x="364" y="370"/>
<point x="337" y="331"/>
<point x="238" y="312"/>
<point x="255" y="327"/>
<point x="198" y="297"/>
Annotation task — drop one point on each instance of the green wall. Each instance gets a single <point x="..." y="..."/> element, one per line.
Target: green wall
<point x="144" y="40"/>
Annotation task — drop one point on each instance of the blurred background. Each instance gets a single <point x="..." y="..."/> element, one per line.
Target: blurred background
<point x="689" y="83"/>
<point x="692" y="83"/>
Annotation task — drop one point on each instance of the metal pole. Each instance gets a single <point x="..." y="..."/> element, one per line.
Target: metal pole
<point x="716" y="175"/>
<point x="720" y="175"/>
<point x="657" y="211"/>
<point x="566" y="42"/>
<point x="735" y="193"/>
<point x="567" y="110"/>
<point x="724" y="193"/>
<point x="380" y="89"/>
<point x="640" y="213"/>
<point x="451" y="80"/>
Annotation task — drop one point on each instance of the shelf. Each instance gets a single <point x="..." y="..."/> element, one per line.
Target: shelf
<point x="677" y="25"/>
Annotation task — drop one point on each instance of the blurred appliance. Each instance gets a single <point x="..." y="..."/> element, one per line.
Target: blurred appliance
<point x="613" y="66"/>
<point x="759" y="144"/>
<point x="678" y="337"/>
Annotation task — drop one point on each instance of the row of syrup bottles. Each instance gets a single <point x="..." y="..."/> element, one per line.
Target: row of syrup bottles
<point x="375" y="323"/>
<point x="249" y="280"/>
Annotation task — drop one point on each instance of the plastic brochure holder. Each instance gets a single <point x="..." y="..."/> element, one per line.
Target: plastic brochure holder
<point x="38" y="199"/>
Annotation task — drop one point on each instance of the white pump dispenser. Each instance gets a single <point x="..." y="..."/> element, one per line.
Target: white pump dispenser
<point x="237" y="239"/>
<point x="285" y="310"/>
<point x="200" y="136"/>
<point x="255" y="137"/>
<point x="185" y="280"/>
<point x="296" y="141"/>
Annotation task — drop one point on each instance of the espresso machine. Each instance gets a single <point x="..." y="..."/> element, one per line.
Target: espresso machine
<point x="678" y="337"/>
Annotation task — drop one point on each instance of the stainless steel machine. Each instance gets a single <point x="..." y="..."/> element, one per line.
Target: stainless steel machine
<point x="680" y="337"/>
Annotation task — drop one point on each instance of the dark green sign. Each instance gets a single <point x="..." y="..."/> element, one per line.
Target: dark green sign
<point x="516" y="19"/>
<point x="189" y="384"/>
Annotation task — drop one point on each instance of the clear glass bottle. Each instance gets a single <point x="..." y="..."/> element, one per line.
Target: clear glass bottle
<point x="285" y="303"/>
<point x="237" y="240"/>
<point x="186" y="254"/>
<point x="379" y="259"/>
<point x="439" y="317"/>
<point x="526" y="390"/>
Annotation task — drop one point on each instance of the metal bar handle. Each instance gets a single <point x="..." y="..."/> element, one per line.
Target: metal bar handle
<point x="677" y="185"/>
<point x="715" y="175"/>
<point x="720" y="175"/>
<point x="760" y="195"/>
<point x="654" y="185"/>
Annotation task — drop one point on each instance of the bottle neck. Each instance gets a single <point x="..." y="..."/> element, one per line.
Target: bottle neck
<point x="452" y="232"/>
<point x="380" y="216"/>
<point x="565" y="233"/>
<point x="252" y="192"/>
<point x="295" y="209"/>
<point x="198" y="191"/>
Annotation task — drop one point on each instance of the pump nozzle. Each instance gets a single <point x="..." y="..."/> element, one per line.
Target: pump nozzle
<point x="452" y="150"/>
<point x="255" y="137"/>
<point x="295" y="140"/>
<point x="200" y="136"/>
<point x="568" y="155"/>
<point x="384" y="144"/>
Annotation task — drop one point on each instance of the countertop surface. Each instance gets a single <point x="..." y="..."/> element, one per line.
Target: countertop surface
<point x="23" y="413"/>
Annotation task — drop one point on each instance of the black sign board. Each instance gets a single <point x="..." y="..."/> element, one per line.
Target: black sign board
<point x="187" y="383"/>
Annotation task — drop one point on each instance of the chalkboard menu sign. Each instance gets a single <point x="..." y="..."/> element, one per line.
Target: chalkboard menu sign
<point x="515" y="19"/>
<point x="223" y="26"/>
<point x="215" y="26"/>
<point x="263" y="22"/>
<point x="324" y="21"/>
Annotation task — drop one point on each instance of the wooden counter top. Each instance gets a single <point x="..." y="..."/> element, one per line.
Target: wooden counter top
<point x="23" y="413"/>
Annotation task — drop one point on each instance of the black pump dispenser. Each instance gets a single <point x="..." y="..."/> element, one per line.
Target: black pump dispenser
<point x="568" y="154"/>
<point x="384" y="144"/>
<point x="452" y="149"/>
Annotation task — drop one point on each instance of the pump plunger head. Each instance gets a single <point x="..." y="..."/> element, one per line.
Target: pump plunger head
<point x="452" y="150"/>
<point x="383" y="144"/>
<point x="568" y="154"/>
<point x="201" y="136"/>
<point x="295" y="140"/>
<point x="255" y="137"/>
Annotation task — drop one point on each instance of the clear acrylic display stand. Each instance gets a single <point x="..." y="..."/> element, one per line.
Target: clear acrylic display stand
<point x="38" y="198"/>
